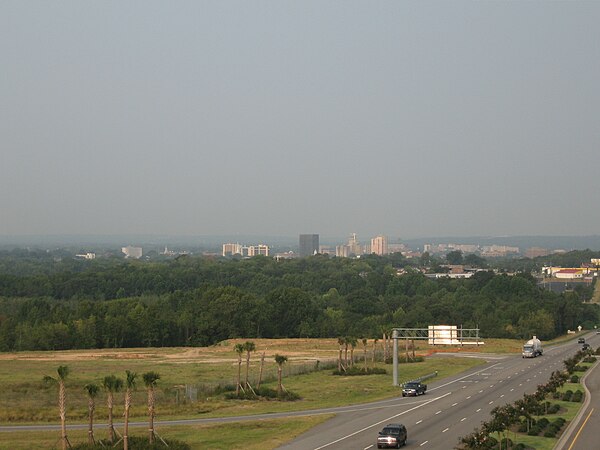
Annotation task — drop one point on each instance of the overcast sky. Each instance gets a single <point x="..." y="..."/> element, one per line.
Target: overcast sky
<point x="277" y="118"/>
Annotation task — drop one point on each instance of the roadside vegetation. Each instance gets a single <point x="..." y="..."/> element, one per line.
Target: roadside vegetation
<point x="536" y="421"/>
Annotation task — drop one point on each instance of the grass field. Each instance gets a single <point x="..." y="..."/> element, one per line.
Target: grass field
<point x="252" y="435"/>
<point x="25" y="399"/>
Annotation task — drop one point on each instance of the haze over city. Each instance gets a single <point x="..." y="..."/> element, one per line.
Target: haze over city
<point x="276" y="118"/>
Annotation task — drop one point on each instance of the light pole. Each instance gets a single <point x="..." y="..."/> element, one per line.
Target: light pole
<point x="395" y="357"/>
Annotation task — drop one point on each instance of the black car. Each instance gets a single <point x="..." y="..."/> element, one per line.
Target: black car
<point x="393" y="435"/>
<point x="413" y="388"/>
<point x="581" y="341"/>
<point x="585" y="346"/>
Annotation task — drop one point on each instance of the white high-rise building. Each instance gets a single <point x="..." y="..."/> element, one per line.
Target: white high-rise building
<point x="379" y="245"/>
<point x="230" y="249"/>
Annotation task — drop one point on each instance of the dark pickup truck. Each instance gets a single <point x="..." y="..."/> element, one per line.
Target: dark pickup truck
<point x="413" y="388"/>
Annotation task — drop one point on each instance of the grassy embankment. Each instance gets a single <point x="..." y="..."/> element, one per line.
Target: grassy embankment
<point x="568" y="411"/>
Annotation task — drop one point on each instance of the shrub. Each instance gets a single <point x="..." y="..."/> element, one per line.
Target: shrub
<point x="543" y="423"/>
<point x="577" y="396"/>
<point x="550" y="433"/>
<point x="357" y="371"/>
<point x="264" y="393"/>
<point x="574" y="379"/>
<point x="567" y="395"/>
<point x="554" y="409"/>
<point x="579" y="368"/>
<point x="589" y="359"/>
<point x="534" y="431"/>
<point x="506" y="443"/>
<point x="136" y="443"/>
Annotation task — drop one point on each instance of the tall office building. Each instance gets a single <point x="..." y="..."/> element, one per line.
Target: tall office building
<point x="379" y="245"/>
<point x="309" y="244"/>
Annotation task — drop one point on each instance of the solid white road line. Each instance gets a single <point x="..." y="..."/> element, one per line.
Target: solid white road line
<point x="367" y="448"/>
<point x="423" y="443"/>
<point x="454" y="404"/>
<point x="381" y="421"/>
<point x="444" y="430"/>
<point x="417" y="423"/>
<point x="463" y="419"/>
<point x="438" y="413"/>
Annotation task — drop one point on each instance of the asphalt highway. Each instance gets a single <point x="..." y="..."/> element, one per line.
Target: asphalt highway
<point x="451" y="408"/>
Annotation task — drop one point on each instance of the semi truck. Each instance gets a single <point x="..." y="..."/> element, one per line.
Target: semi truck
<point x="532" y="348"/>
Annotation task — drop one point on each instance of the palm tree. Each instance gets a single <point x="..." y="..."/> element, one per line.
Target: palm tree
<point x="239" y="349"/>
<point x="353" y="343"/>
<point x="62" y="372"/>
<point x="248" y="347"/>
<point x="341" y="344"/>
<point x="150" y="380"/>
<point x="92" y="391"/>
<point x="280" y="360"/>
<point x="129" y="388"/>
<point x="111" y="384"/>
<point x="364" y="343"/>
<point x="374" y="351"/>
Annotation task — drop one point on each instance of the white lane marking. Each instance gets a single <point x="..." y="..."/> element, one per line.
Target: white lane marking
<point x="417" y="423"/>
<point x="502" y="396"/>
<point x="444" y="430"/>
<point x="463" y="419"/>
<point x="491" y="385"/>
<point x="478" y="410"/>
<point x="481" y="391"/>
<point x="423" y="443"/>
<point x="462" y="378"/>
<point x="468" y="397"/>
<point x="512" y="389"/>
<point x="438" y="413"/>
<point x="382" y="421"/>
<point x="520" y="384"/>
<point x="454" y="404"/>
<point x="367" y="448"/>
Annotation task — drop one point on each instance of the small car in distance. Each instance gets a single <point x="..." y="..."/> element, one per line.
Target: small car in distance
<point x="581" y="341"/>
<point x="413" y="388"/>
<point x="393" y="435"/>
<point x="586" y="346"/>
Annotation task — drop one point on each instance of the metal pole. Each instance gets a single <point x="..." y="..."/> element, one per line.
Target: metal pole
<point x="395" y="358"/>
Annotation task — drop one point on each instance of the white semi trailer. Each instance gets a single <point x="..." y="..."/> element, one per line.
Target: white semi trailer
<point x="532" y="348"/>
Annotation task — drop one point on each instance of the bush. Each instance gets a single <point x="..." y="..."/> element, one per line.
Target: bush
<point x="550" y="433"/>
<point x="574" y="379"/>
<point x="262" y="393"/>
<point x="136" y="443"/>
<point x="559" y="421"/>
<point x="534" y="431"/>
<point x="577" y="396"/>
<point x="357" y="371"/>
<point x="401" y="360"/>
<point x="589" y="359"/>
<point x="567" y="395"/>
<point x="579" y="368"/>
<point x="554" y="409"/>
<point x="506" y="443"/>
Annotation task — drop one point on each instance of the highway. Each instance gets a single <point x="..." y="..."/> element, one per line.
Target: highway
<point x="451" y="408"/>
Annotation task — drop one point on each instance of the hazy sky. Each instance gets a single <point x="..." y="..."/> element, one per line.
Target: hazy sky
<point x="406" y="118"/>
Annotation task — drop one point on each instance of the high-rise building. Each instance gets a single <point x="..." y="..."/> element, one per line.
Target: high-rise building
<point x="260" y="249"/>
<point x="379" y="245"/>
<point x="231" y="249"/>
<point x="309" y="244"/>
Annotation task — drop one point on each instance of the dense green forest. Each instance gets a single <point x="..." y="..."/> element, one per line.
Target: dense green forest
<point x="47" y="304"/>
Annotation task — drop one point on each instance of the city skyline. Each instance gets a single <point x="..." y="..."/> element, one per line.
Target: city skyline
<point x="408" y="119"/>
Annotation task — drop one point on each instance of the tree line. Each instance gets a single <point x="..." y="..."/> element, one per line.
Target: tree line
<point x="195" y="301"/>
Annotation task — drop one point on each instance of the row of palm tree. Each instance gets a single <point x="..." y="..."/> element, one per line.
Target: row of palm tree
<point x="352" y="342"/>
<point x="111" y="385"/>
<point x="248" y="347"/>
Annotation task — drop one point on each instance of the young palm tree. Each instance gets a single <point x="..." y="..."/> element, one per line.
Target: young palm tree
<point x="364" y="343"/>
<point x="374" y="351"/>
<point x="353" y="343"/>
<point x="129" y="388"/>
<point x="260" y="373"/>
<point x="239" y="349"/>
<point x="150" y="380"/>
<point x="62" y="372"/>
<point x="280" y="360"/>
<point x="92" y="391"/>
<point x="341" y="344"/>
<point x="111" y="384"/>
<point x="248" y="347"/>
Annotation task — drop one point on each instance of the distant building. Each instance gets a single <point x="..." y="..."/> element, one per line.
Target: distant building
<point x="88" y="255"/>
<point x="534" y="252"/>
<point x="309" y="244"/>
<point x="260" y="249"/>
<point x="379" y="245"/>
<point x="132" y="252"/>
<point x="230" y="249"/>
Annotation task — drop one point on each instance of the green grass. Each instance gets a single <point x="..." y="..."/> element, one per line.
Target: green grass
<point x="252" y="435"/>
